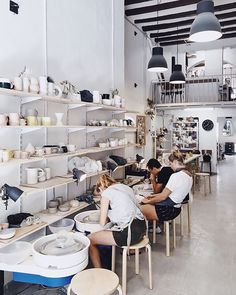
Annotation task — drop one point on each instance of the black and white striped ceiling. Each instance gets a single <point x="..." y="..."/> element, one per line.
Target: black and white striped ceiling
<point x="168" y="22"/>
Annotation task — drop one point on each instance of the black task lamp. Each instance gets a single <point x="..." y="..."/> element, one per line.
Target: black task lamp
<point x="206" y="26"/>
<point x="10" y="192"/>
<point x="79" y="175"/>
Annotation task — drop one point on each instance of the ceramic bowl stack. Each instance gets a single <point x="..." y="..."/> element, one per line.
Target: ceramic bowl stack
<point x="88" y="221"/>
<point x="61" y="251"/>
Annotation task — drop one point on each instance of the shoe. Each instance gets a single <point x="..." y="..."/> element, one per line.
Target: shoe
<point x="158" y="230"/>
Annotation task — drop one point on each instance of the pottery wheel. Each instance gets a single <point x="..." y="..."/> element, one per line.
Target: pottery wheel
<point x="54" y="248"/>
<point x="92" y="218"/>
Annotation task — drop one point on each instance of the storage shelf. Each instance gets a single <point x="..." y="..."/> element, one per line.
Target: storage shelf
<point x="46" y="219"/>
<point x="20" y="161"/>
<point x="58" y="181"/>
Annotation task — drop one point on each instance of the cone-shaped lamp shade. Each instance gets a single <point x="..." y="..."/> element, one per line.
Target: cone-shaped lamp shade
<point x="177" y="77"/>
<point x="12" y="192"/>
<point x="206" y="26"/>
<point x="157" y="62"/>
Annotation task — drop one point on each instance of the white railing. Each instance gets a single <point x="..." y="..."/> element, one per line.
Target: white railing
<point x="205" y="89"/>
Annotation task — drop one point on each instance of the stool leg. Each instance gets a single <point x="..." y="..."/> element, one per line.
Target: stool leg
<point x="148" y="247"/>
<point x="124" y="271"/>
<point x="154" y="231"/>
<point x="181" y="222"/>
<point x="119" y="290"/>
<point x="189" y="217"/>
<point x="113" y="258"/>
<point x="174" y="233"/>
<point x="137" y="261"/>
<point x="209" y="184"/>
<point x="204" y="185"/>
<point x="167" y="238"/>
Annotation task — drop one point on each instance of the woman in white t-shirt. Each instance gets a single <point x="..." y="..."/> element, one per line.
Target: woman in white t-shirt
<point x="119" y="205"/>
<point x="167" y="204"/>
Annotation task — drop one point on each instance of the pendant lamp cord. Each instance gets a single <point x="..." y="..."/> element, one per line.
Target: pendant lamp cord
<point x="157" y="25"/>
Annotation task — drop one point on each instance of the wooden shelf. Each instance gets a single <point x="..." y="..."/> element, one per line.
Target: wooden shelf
<point x="57" y="181"/>
<point x="46" y="219"/>
<point x="20" y="161"/>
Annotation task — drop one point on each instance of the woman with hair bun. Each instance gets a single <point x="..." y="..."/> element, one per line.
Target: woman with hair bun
<point x="167" y="204"/>
<point x="119" y="205"/>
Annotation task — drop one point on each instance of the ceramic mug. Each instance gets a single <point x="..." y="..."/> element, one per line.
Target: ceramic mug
<point x="48" y="150"/>
<point x="31" y="120"/>
<point x="1" y="154"/>
<point x="6" y="155"/>
<point x="33" y="175"/>
<point x="47" y="172"/>
<point x="18" y="85"/>
<point x="71" y="147"/>
<point x="24" y="155"/>
<point x="96" y="96"/>
<point x="46" y="121"/>
<point x="26" y="84"/>
<point x="39" y="151"/>
<point x="3" y="120"/>
<point x="14" y="119"/>
<point x="41" y="175"/>
<point x="17" y="154"/>
<point x="51" y="88"/>
<point x="43" y="85"/>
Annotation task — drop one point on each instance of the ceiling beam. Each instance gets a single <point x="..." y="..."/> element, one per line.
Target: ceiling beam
<point x="169" y="33"/>
<point x="189" y="14"/>
<point x="161" y="37"/>
<point x="129" y="2"/>
<point x="159" y="7"/>
<point x="225" y="36"/>
<point x="181" y="24"/>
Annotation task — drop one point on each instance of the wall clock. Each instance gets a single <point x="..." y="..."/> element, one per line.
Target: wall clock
<point x="207" y="125"/>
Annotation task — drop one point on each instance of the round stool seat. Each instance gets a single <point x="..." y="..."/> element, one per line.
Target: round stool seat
<point x="141" y="244"/>
<point x="93" y="281"/>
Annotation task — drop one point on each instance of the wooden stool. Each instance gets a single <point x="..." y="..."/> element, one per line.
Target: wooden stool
<point x="167" y="231"/>
<point x="93" y="281"/>
<point x="204" y="176"/>
<point x="185" y="204"/>
<point x="143" y="244"/>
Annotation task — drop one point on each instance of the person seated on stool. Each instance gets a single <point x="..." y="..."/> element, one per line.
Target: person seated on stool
<point x="167" y="204"/>
<point x="159" y="175"/>
<point x="119" y="204"/>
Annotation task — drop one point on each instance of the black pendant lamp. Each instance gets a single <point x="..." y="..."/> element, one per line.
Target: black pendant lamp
<point x="157" y="62"/>
<point x="206" y="26"/>
<point x="177" y="77"/>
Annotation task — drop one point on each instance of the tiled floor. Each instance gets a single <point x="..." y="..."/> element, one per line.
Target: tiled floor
<point x="204" y="262"/>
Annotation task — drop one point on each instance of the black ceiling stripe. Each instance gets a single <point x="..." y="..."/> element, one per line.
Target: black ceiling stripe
<point x="129" y="2"/>
<point x="185" y="36"/>
<point x="181" y="24"/>
<point x="159" y="7"/>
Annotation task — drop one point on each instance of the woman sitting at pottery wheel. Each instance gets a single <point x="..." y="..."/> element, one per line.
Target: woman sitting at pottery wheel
<point x="167" y="204"/>
<point x="119" y="206"/>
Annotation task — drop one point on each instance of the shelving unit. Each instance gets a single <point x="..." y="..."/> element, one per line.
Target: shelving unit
<point x="72" y="130"/>
<point x="185" y="133"/>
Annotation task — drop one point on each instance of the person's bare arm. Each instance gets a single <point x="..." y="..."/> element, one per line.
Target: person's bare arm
<point x="158" y="197"/>
<point x="104" y="210"/>
<point x="157" y="187"/>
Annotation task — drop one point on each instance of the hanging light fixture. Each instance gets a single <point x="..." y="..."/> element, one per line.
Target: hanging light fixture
<point x="157" y="63"/>
<point x="177" y="76"/>
<point x="206" y="26"/>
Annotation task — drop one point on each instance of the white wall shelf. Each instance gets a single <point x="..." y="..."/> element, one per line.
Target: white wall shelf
<point x="20" y="161"/>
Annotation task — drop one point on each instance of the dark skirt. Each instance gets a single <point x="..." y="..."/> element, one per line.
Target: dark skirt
<point x="138" y="231"/>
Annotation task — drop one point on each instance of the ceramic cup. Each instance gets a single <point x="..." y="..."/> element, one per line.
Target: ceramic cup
<point x="33" y="175"/>
<point x="18" y="83"/>
<point x="43" y="85"/>
<point x="24" y="155"/>
<point x="47" y="150"/>
<point x="26" y="84"/>
<point x="14" y="119"/>
<point x="1" y="154"/>
<point x="51" y="88"/>
<point x="17" y="154"/>
<point x="31" y="120"/>
<point x="47" y="172"/>
<point x="60" y="200"/>
<point x="46" y="121"/>
<point x="96" y="96"/>
<point x="39" y="151"/>
<point x="53" y="204"/>
<point x="3" y="120"/>
<point x="6" y="155"/>
<point x="71" y="147"/>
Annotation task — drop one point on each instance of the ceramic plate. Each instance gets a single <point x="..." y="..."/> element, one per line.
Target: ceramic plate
<point x="7" y="233"/>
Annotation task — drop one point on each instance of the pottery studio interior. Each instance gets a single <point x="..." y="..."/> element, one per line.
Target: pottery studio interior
<point x="103" y="103"/>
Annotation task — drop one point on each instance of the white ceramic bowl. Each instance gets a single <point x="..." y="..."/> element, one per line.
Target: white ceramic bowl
<point x="15" y="253"/>
<point x="86" y="227"/>
<point x="66" y="224"/>
<point x="102" y="144"/>
<point x="61" y="261"/>
<point x="7" y="233"/>
<point x="106" y="102"/>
